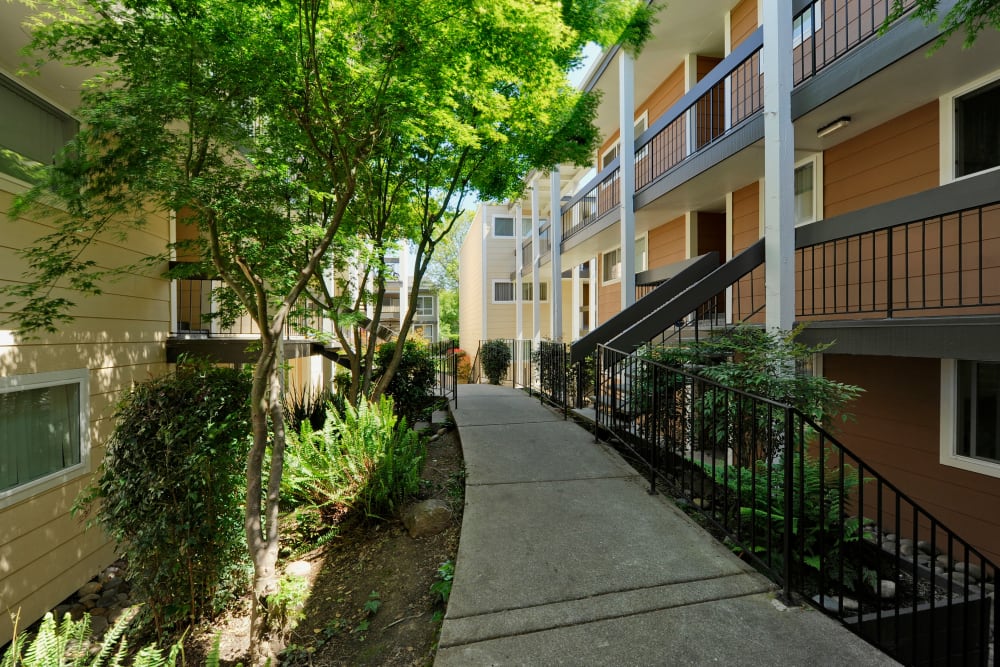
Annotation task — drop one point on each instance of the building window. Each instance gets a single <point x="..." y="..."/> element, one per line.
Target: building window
<point x="43" y="430"/>
<point x="805" y="208"/>
<point x="611" y="266"/>
<point x="977" y="131"/>
<point x="503" y="291"/>
<point x="32" y="133"/>
<point x="503" y="227"/>
<point x="527" y="291"/>
<point x="641" y="253"/>
<point x="978" y="415"/>
<point x="425" y="306"/>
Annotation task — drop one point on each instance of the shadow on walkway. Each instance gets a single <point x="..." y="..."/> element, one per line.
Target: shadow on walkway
<point x="566" y="559"/>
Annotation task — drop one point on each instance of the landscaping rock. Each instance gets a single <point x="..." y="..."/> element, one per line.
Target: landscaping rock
<point x="886" y="589"/>
<point x="925" y="546"/>
<point x="98" y="625"/>
<point x="970" y="569"/>
<point x="989" y="589"/>
<point x="299" y="568"/>
<point x="832" y="603"/>
<point x="89" y="588"/>
<point x="429" y="517"/>
<point x="442" y="431"/>
<point x="944" y="561"/>
<point x="107" y="599"/>
<point x="439" y="417"/>
<point x="420" y="427"/>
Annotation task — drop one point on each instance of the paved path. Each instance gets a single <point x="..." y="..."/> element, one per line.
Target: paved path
<point x="566" y="560"/>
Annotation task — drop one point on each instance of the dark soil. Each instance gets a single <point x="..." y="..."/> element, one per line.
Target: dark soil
<point x="365" y="562"/>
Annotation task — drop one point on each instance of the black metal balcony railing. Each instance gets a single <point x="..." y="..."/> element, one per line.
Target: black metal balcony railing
<point x="732" y="92"/>
<point x="445" y="354"/>
<point x="603" y="195"/>
<point x="799" y="504"/>
<point x="935" y="265"/>
<point x="195" y="309"/>
<point x="823" y="32"/>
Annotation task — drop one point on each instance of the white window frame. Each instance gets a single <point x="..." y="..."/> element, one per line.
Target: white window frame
<point x="817" y="164"/>
<point x="948" y="455"/>
<point x="422" y="312"/>
<point x="493" y="291"/>
<point x="79" y="376"/>
<point x="611" y="281"/>
<point x="513" y="226"/>
<point x="948" y="129"/>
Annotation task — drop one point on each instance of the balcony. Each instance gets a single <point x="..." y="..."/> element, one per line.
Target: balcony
<point x="196" y="331"/>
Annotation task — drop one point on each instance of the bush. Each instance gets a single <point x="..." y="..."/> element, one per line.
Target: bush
<point x="365" y="460"/>
<point x="170" y="489"/>
<point x="414" y="377"/>
<point x="464" y="366"/>
<point x="494" y="357"/>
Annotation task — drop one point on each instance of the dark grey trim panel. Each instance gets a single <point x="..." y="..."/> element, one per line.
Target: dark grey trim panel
<point x="688" y="300"/>
<point x="748" y="133"/>
<point x="642" y="309"/>
<point x="662" y="273"/>
<point x="969" y="337"/>
<point x="967" y="193"/>
<point x="864" y="61"/>
<point x="232" y="350"/>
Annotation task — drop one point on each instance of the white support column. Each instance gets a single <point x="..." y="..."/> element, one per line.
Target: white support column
<point x="518" y="263"/>
<point x="555" y="244"/>
<point x="405" y="281"/>
<point x="690" y="80"/>
<point x="779" y="166"/>
<point x="729" y="254"/>
<point x="690" y="234"/>
<point x="536" y="265"/>
<point x="595" y="283"/>
<point x="487" y="289"/>
<point x="575" y="304"/>
<point x="626" y="176"/>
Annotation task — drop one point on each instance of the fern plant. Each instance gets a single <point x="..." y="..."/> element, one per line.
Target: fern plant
<point x="365" y="459"/>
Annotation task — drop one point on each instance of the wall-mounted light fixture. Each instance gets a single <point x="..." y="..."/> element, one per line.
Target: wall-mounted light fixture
<point x="830" y="128"/>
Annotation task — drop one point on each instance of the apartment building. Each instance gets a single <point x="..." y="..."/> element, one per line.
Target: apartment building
<point x="396" y="301"/>
<point x="846" y="178"/>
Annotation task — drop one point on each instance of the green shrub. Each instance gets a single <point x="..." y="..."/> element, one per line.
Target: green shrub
<point x="169" y="491"/>
<point x="494" y="358"/>
<point x="307" y="403"/>
<point x="414" y="377"/>
<point x="366" y="460"/>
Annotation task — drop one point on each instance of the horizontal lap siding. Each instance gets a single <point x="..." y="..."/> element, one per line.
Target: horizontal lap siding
<point x="742" y="21"/>
<point x="667" y="243"/>
<point x="896" y="432"/>
<point x="748" y="293"/>
<point x="895" y="159"/>
<point x="120" y="337"/>
<point x="470" y="289"/>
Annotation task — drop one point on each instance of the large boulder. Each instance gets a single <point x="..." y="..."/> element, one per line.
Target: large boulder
<point x="429" y="517"/>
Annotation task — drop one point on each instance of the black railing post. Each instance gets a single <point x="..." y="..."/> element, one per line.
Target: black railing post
<point x="789" y="468"/>
<point x="654" y="431"/>
<point x="889" y="274"/>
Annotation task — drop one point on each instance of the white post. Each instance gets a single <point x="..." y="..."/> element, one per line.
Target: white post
<point x="555" y="244"/>
<point x="536" y="265"/>
<point x="779" y="165"/>
<point x="405" y="276"/>
<point x="518" y="280"/>
<point x="575" y="304"/>
<point x="626" y="176"/>
<point x="595" y="282"/>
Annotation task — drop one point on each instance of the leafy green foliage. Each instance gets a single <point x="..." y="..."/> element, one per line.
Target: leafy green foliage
<point x="366" y="460"/>
<point x="494" y="357"/>
<point x="169" y="489"/>
<point x="970" y="16"/>
<point x="65" y="644"/>
<point x="413" y="379"/>
<point x="441" y="588"/>
<point x="287" y="607"/>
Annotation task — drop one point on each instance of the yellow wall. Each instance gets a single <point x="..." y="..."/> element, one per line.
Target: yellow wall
<point x="119" y="337"/>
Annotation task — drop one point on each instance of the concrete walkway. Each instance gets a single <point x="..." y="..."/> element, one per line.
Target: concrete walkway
<point x="565" y="559"/>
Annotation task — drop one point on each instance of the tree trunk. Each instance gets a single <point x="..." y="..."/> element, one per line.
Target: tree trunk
<point x="261" y="523"/>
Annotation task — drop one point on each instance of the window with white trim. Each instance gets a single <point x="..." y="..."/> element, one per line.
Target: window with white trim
<point x="503" y="291"/>
<point x="527" y="290"/>
<point x="977" y="130"/>
<point x="503" y="227"/>
<point x="805" y="25"/>
<point x="32" y="133"/>
<point x="970" y="415"/>
<point x="425" y="306"/>
<point x="611" y="266"/>
<point x="641" y="253"/>
<point x="43" y="431"/>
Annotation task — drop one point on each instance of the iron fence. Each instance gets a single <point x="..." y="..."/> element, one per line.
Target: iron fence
<point x="791" y="498"/>
<point x="446" y="356"/>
